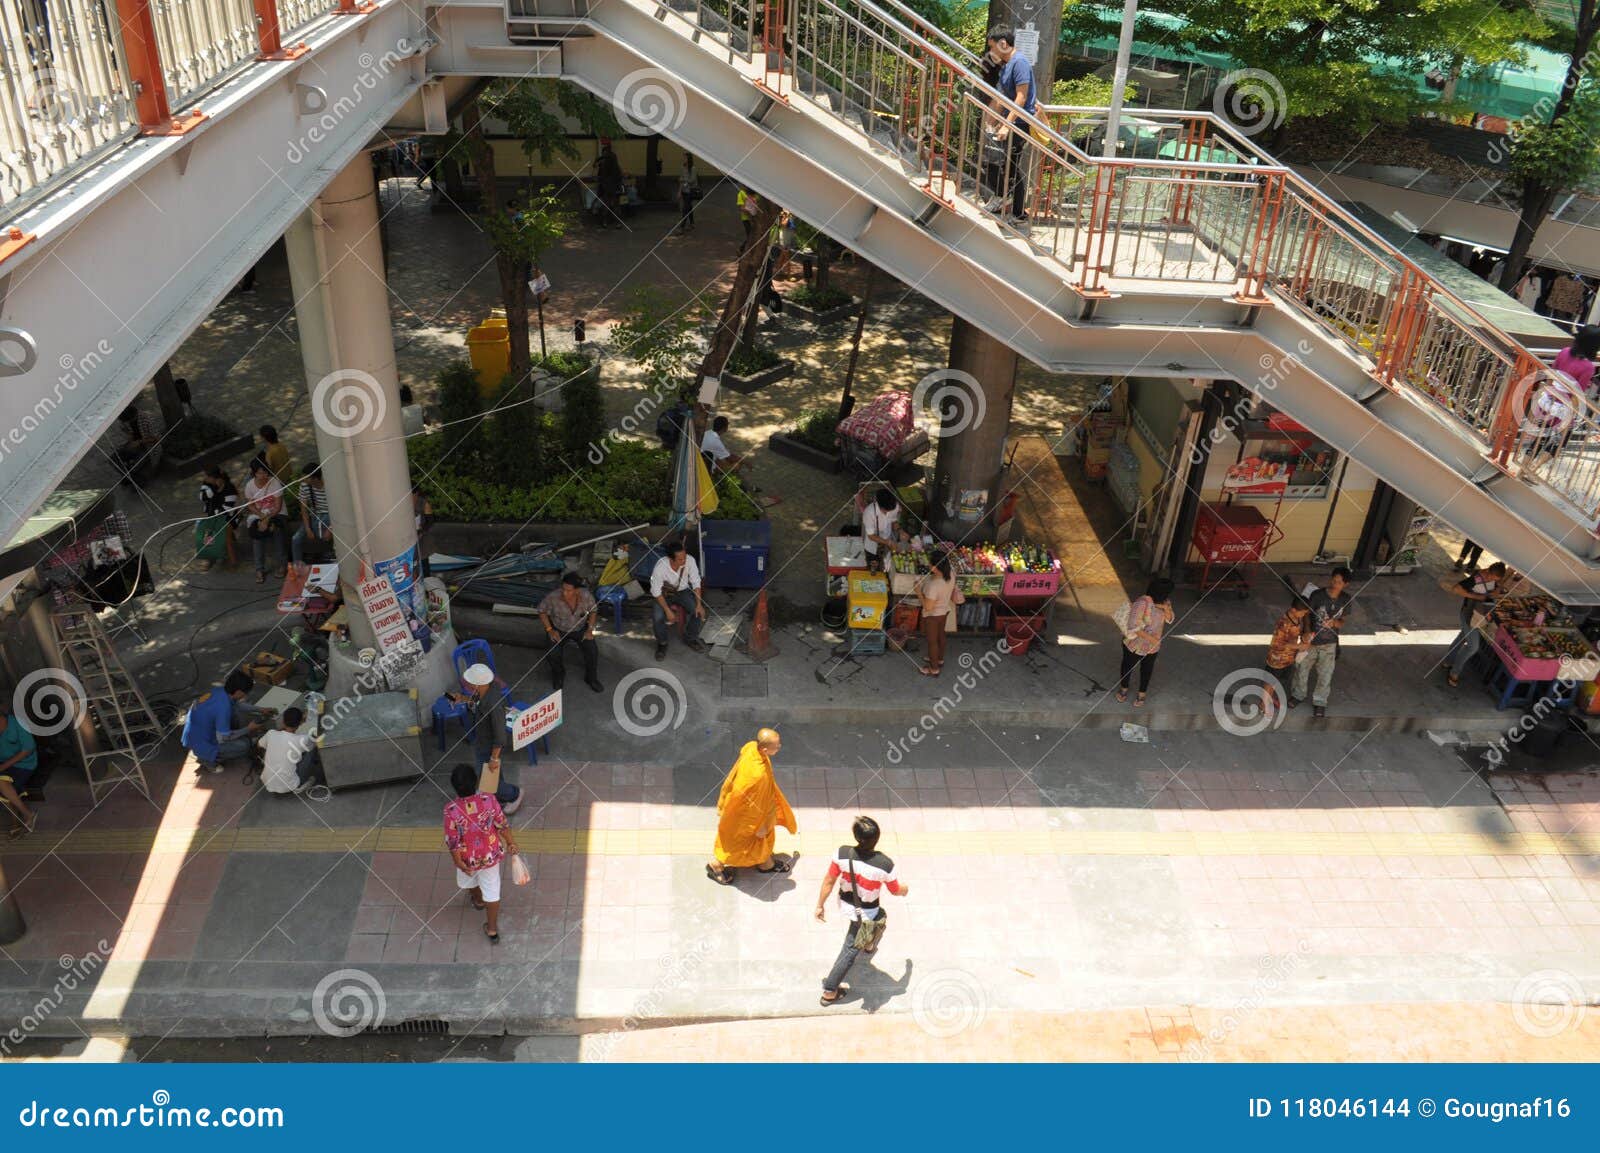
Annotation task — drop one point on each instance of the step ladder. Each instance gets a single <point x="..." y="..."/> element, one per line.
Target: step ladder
<point x="128" y="729"/>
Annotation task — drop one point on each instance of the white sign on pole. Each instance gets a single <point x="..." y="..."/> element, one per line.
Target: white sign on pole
<point x="536" y="720"/>
<point x="539" y="285"/>
<point x="384" y="611"/>
<point x="1028" y="42"/>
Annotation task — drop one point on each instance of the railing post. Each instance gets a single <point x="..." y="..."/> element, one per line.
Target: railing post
<point x="773" y="18"/>
<point x="1396" y="342"/>
<point x="1513" y="395"/>
<point x="269" y="33"/>
<point x="939" y="109"/>
<point x="145" y="74"/>
<point x="1254" y="257"/>
<point x="1104" y="177"/>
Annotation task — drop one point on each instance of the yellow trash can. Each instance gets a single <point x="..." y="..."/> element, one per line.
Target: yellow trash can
<point x="489" y="348"/>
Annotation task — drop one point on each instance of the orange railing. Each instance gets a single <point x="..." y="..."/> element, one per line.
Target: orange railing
<point x="1204" y="205"/>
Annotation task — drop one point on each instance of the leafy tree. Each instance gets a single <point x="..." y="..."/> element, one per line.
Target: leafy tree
<point x="1554" y="149"/>
<point x="459" y="401"/>
<point x="1325" y="54"/>
<point x="523" y="233"/>
<point x="658" y="332"/>
<point x="583" y="417"/>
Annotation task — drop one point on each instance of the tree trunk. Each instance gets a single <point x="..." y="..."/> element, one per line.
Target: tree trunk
<point x="513" y="284"/>
<point x="744" y="283"/>
<point x="847" y="398"/>
<point x="167" y="397"/>
<point x="824" y="264"/>
<point x="1537" y="200"/>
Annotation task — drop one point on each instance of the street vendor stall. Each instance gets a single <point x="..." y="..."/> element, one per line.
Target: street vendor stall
<point x="881" y="434"/>
<point x="1537" y="652"/>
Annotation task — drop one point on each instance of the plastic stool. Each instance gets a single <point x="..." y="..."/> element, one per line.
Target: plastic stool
<point x="444" y="711"/>
<point x="614" y="596"/>
<point x="1510" y="690"/>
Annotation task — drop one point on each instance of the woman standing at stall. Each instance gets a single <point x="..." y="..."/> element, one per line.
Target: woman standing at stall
<point x="938" y="594"/>
<point x="1141" y="637"/>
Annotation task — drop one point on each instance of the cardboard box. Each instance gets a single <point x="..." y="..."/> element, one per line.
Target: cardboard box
<point x="268" y="668"/>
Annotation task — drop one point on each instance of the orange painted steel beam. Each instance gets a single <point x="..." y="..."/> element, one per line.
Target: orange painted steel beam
<point x="355" y="7"/>
<point x="144" y="72"/>
<point x="269" y="34"/>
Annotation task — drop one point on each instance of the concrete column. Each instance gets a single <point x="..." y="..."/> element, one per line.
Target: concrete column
<point x="347" y="345"/>
<point x="973" y="397"/>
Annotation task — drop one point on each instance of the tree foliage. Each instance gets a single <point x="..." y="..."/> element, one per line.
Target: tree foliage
<point x="1350" y="58"/>
<point x="537" y="112"/>
<point x="658" y="331"/>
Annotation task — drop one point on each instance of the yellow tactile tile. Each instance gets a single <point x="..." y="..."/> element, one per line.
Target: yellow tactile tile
<point x="695" y="842"/>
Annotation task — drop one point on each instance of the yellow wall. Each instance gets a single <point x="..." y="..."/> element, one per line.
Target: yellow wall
<point x="510" y="162"/>
<point x="1151" y="470"/>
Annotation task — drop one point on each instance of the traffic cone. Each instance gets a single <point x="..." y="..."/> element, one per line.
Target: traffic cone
<point x="760" y="647"/>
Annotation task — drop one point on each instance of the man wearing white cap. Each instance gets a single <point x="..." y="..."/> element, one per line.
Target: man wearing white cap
<point x="486" y="727"/>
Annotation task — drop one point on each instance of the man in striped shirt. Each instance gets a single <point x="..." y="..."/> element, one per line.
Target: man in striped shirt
<point x="863" y="875"/>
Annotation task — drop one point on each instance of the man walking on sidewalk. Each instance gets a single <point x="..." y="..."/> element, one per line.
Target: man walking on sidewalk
<point x="863" y="875"/>
<point x="1329" y="611"/>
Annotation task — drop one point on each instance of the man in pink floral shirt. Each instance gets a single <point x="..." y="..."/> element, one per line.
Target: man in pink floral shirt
<point x="476" y="833"/>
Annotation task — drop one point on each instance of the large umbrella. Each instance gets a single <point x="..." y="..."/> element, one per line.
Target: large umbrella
<point x="693" y="494"/>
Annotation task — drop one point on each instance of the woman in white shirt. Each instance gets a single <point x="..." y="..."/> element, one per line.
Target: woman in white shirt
<point x="264" y="517"/>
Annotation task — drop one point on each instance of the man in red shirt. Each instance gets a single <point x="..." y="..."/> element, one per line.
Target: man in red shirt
<point x="863" y="874"/>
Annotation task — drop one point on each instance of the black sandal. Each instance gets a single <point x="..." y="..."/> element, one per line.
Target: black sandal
<point x="494" y="938"/>
<point x="838" y="995"/>
<point x="779" y="865"/>
<point x="720" y="876"/>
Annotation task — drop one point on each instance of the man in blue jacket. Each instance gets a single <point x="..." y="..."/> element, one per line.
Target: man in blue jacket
<point x="219" y="727"/>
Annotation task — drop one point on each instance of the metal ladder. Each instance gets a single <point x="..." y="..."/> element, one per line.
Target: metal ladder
<point x="121" y="714"/>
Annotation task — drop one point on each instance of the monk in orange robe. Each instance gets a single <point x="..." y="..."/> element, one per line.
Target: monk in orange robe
<point x="749" y="812"/>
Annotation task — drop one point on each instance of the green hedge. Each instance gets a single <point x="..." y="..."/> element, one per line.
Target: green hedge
<point x="631" y="486"/>
<point x="751" y="359"/>
<point x="808" y="296"/>
<point x="816" y="428"/>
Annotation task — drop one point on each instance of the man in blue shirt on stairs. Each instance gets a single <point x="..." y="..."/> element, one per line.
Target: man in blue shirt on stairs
<point x="1016" y="85"/>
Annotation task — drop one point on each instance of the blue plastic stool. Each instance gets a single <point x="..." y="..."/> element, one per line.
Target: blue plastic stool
<point x="1512" y="690"/>
<point x="614" y="596"/>
<point x="1560" y="698"/>
<point x="444" y="711"/>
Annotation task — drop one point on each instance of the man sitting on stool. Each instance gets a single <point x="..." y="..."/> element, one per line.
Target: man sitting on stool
<point x="568" y="615"/>
<point x="19" y="757"/>
<point x="219" y="728"/>
<point x="290" y="762"/>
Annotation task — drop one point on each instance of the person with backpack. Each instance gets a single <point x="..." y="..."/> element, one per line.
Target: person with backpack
<point x="863" y="875"/>
<point x="1142" y="622"/>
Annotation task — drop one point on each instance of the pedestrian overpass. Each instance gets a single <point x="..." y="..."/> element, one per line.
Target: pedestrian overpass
<point x="146" y="168"/>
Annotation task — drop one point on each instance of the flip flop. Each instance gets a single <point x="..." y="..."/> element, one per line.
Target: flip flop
<point x="778" y="866"/>
<point x="477" y="902"/>
<point x="722" y="878"/>
<point x="494" y="938"/>
<point x="1122" y="696"/>
<point x="838" y="996"/>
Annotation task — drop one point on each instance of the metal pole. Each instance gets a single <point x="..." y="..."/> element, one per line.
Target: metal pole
<point x="1130" y="9"/>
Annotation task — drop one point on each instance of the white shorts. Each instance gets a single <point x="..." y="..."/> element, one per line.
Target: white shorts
<point x="486" y="880"/>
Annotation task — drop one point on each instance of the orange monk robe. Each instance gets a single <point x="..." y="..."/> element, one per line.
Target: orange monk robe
<point x="750" y="802"/>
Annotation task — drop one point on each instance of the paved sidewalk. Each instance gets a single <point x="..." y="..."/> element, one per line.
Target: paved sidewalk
<point x="1088" y="875"/>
